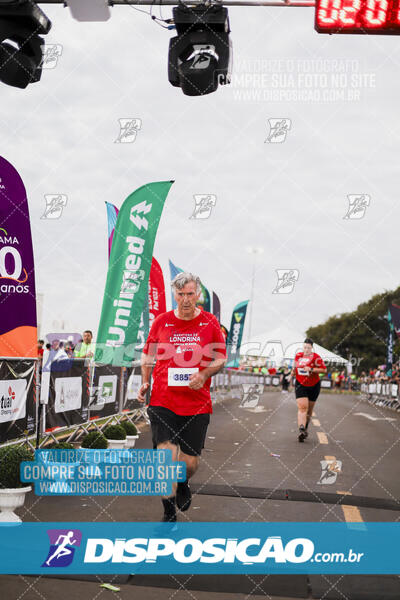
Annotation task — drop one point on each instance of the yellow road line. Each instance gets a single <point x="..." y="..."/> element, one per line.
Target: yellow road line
<point x="351" y="513"/>
<point x="322" y="437"/>
<point x="316" y="423"/>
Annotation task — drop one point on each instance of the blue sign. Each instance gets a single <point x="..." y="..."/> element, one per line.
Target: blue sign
<point x="213" y="548"/>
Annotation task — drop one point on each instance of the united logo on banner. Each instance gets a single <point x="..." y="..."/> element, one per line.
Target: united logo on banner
<point x="156" y="301"/>
<point x="18" y="325"/>
<point x="126" y="290"/>
<point x="236" y="333"/>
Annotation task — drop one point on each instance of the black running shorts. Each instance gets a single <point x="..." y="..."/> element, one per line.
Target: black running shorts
<point x="307" y="391"/>
<point x="186" y="431"/>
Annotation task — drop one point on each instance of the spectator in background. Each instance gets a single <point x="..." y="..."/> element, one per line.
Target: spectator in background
<point x="85" y="349"/>
<point x="69" y="349"/>
<point x="285" y="379"/>
<point x="54" y="351"/>
<point x="57" y="351"/>
<point x="342" y="379"/>
<point x="40" y="348"/>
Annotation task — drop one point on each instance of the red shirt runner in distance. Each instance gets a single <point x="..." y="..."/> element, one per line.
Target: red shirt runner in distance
<point x="312" y="360"/>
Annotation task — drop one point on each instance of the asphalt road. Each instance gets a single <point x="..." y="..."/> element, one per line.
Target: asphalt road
<point x="254" y="469"/>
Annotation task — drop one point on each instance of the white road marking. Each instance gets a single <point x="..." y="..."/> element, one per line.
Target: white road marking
<point x="371" y="418"/>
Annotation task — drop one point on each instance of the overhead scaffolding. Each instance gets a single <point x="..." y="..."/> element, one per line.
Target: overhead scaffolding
<point x="200" y="54"/>
<point x="191" y="3"/>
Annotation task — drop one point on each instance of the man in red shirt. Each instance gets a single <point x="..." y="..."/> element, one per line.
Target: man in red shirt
<point x="307" y="367"/>
<point x="188" y="347"/>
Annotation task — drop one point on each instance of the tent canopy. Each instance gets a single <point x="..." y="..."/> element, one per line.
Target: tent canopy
<point x="281" y="345"/>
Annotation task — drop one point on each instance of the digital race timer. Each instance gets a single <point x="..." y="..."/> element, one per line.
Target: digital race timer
<point x="358" y="16"/>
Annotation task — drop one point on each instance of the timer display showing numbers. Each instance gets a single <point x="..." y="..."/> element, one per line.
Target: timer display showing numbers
<point x="358" y="16"/>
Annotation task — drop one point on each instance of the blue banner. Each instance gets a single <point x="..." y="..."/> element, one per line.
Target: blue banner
<point x="212" y="548"/>
<point x="174" y="271"/>
<point x="236" y="333"/>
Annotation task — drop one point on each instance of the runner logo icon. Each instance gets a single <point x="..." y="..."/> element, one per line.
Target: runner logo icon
<point x="286" y="281"/>
<point x="203" y="205"/>
<point x="330" y="471"/>
<point x="55" y="204"/>
<point x="63" y="543"/>
<point x="358" y="204"/>
<point x="251" y="394"/>
<point x="278" y="129"/>
<point x="128" y="129"/>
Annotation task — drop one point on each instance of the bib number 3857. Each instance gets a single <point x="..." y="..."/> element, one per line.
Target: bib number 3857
<point x="180" y="377"/>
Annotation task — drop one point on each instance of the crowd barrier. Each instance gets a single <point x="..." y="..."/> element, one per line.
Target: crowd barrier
<point x="18" y="395"/>
<point x="76" y="395"/>
<point x="384" y="395"/>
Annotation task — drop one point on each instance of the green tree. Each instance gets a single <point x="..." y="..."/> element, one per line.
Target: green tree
<point x="361" y="333"/>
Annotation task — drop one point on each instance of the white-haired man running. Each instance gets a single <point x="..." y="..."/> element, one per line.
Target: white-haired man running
<point x="189" y="348"/>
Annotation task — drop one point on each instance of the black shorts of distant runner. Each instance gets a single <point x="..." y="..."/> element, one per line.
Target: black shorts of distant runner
<point x="307" y="391"/>
<point x="186" y="431"/>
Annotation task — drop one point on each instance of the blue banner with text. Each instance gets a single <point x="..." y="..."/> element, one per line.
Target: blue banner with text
<point x="212" y="548"/>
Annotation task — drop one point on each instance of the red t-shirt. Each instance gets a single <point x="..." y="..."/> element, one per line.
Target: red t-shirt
<point x="313" y="360"/>
<point x="181" y="348"/>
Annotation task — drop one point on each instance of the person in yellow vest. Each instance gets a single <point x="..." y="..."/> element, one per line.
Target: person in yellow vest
<point x="86" y="348"/>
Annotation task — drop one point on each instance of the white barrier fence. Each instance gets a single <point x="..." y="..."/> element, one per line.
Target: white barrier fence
<point x="385" y="395"/>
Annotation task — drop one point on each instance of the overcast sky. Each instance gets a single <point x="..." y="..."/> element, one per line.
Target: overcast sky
<point x="288" y="198"/>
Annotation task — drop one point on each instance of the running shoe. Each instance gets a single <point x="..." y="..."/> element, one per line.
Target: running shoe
<point x="183" y="495"/>
<point x="302" y="433"/>
<point x="169" y="510"/>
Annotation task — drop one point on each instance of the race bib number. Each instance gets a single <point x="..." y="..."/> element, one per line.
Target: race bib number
<point x="302" y="372"/>
<point x="180" y="377"/>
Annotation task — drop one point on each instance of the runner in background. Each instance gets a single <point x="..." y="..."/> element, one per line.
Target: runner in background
<point x="189" y="348"/>
<point x="285" y="379"/>
<point x="307" y="367"/>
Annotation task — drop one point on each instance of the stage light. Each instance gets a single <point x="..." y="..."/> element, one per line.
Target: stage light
<point x="21" y="24"/>
<point x="199" y="56"/>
